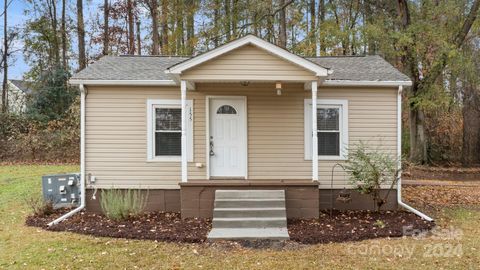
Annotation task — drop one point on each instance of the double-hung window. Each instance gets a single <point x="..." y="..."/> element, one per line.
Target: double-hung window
<point x="332" y="129"/>
<point x="164" y="138"/>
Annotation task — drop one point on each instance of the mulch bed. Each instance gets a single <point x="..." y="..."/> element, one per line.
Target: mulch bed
<point x="345" y="226"/>
<point x="169" y="227"/>
<point x="160" y="226"/>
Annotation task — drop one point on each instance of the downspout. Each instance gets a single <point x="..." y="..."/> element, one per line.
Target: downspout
<point x="82" y="160"/>
<point x="399" y="155"/>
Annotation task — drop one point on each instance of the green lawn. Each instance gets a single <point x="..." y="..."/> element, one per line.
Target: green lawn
<point x="31" y="248"/>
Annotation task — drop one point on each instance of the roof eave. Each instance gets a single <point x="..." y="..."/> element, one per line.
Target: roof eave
<point x="122" y="82"/>
<point x="365" y="83"/>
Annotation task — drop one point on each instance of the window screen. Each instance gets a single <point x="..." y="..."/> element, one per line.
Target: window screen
<point x="168" y="132"/>
<point x="328" y="125"/>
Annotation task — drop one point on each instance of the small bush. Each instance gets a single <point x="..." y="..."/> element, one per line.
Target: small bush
<point x="370" y="169"/>
<point x="39" y="206"/>
<point x="120" y="204"/>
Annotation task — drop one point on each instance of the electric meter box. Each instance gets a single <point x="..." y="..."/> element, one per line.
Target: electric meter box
<point x="62" y="189"/>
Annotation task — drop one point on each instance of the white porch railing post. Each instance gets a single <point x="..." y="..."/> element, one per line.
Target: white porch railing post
<point x="183" y="88"/>
<point x="314" y="133"/>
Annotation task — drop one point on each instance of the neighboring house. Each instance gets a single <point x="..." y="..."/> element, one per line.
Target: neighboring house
<point x="18" y="90"/>
<point x="240" y="116"/>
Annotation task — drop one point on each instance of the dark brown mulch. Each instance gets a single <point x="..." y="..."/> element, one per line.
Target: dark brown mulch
<point x="169" y="227"/>
<point x="344" y="226"/>
<point x="160" y="226"/>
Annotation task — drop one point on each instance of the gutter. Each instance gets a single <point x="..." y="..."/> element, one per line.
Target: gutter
<point x="399" y="153"/>
<point x="82" y="160"/>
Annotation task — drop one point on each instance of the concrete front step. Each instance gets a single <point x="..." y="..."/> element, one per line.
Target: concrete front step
<point x="248" y="234"/>
<point x="238" y="203"/>
<point x="251" y="222"/>
<point x="250" y="194"/>
<point x="250" y="212"/>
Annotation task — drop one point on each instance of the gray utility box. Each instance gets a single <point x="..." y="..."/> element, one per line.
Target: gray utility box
<point x="62" y="189"/>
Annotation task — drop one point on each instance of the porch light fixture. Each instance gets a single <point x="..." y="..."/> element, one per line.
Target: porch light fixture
<point x="244" y="83"/>
<point x="278" y="87"/>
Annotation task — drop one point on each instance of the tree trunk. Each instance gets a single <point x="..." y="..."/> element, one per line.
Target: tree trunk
<point x="5" y="60"/>
<point x="82" y="58"/>
<point x="53" y="16"/>
<point x="471" y="126"/>
<point x="164" y="22"/>
<point x="234" y="18"/>
<point x="282" y="35"/>
<point x="106" y="35"/>
<point x="131" y="30"/>
<point x="190" y="26"/>
<point x="313" y="29"/>
<point x="64" y="36"/>
<point x="139" y="38"/>
<point x="228" y="29"/>
<point x="216" y="24"/>
<point x="179" y="31"/>
<point x="153" y="6"/>
<point x="270" y="29"/>
<point x="321" y="20"/>
<point x="418" y="140"/>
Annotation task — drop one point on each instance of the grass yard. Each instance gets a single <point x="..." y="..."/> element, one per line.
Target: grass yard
<point x="457" y="246"/>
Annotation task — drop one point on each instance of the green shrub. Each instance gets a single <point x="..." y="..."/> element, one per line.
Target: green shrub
<point x="370" y="169"/>
<point x="118" y="204"/>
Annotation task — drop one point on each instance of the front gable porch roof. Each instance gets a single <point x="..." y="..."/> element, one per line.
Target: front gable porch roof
<point x="315" y="68"/>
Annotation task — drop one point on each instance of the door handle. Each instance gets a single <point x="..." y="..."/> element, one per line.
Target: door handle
<point x="211" y="147"/>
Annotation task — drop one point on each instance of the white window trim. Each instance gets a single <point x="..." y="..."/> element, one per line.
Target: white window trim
<point x="343" y="103"/>
<point x="167" y="103"/>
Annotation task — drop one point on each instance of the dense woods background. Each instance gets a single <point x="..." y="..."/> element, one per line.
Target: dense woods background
<point x="435" y="42"/>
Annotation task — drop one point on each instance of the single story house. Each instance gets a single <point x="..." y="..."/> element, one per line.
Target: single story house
<point x="17" y="93"/>
<point x="246" y="115"/>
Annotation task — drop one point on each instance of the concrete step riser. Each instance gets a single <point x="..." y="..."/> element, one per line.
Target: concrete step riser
<point x="242" y="194"/>
<point x="246" y="204"/>
<point x="249" y="223"/>
<point x="248" y="213"/>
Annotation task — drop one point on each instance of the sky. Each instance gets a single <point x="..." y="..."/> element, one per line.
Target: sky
<point x="16" y="17"/>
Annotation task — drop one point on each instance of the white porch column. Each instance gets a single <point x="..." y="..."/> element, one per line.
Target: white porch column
<point x="183" y="88"/>
<point x="314" y="133"/>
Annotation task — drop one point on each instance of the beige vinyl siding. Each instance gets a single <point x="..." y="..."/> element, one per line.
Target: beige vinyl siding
<point x="248" y="63"/>
<point x="116" y="139"/>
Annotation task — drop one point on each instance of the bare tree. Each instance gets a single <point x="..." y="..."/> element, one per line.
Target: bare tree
<point x="52" y="11"/>
<point x="5" y="58"/>
<point x="190" y="5"/>
<point x="139" y="40"/>
<point x="227" y="21"/>
<point x="164" y="21"/>
<point x="282" y="37"/>
<point x="106" y="35"/>
<point x="82" y="58"/>
<point x="131" y="30"/>
<point x="152" y="6"/>
<point x="64" y="36"/>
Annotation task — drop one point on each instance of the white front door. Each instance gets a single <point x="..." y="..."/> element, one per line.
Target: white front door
<point x="228" y="138"/>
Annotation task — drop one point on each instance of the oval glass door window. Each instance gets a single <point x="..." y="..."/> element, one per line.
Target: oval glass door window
<point x="226" y="109"/>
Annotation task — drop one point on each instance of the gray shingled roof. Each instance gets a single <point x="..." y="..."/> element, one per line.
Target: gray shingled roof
<point x="355" y="68"/>
<point x="360" y="68"/>
<point x="24" y="86"/>
<point x="128" y="68"/>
